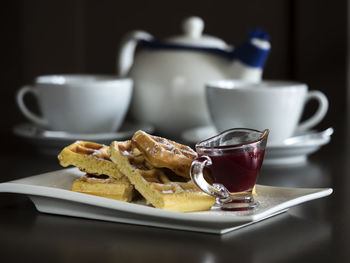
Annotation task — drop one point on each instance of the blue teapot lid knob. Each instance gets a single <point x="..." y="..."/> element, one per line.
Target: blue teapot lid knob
<point x="193" y="27"/>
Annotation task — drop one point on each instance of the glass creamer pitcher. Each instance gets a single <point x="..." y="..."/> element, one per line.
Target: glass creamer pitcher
<point x="228" y="165"/>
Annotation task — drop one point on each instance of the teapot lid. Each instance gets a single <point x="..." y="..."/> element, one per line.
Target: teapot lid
<point x="253" y="52"/>
<point x="193" y="28"/>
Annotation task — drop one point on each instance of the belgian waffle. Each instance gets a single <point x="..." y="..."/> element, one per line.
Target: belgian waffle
<point x="89" y="157"/>
<point x="164" y="153"/>
<point x="157" y="185"/>
<point x="104" y="186"/>
<point x="93" y="159"/>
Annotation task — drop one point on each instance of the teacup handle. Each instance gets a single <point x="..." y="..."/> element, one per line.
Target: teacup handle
<point x="320" y="112"/>
<point x="27" y="113"/>
<point x="197" y="167"/>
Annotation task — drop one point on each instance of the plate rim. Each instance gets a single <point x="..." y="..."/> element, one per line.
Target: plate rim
<point x="20" y="187"/>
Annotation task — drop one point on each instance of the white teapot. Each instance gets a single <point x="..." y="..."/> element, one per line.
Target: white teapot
<point x="169" y="76"/>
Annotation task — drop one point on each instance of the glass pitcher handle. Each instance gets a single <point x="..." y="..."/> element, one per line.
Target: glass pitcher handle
<point x="197" y="167"/>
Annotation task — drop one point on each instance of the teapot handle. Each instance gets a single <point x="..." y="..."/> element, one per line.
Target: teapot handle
<point x="127" y="49"/>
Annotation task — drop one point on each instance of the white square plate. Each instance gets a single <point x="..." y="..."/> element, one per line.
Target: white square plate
<point x="50" y="194"/>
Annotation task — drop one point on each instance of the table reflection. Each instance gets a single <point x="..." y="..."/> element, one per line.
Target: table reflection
<point x="91" y="240"/>
<point x="310" y="174"/>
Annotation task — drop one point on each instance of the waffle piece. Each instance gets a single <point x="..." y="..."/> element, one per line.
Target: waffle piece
<point x="155" y="185"/>
<point x="104" y="186"/>
<point x="164" y="153"/>
<point x="91" y="158"/>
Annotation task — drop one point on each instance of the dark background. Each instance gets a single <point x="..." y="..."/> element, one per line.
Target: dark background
<point x="309" y="40"/>
<point x="309" y="43"/>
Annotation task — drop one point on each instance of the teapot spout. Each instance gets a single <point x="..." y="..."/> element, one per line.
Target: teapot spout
<point x="250" y="57"/>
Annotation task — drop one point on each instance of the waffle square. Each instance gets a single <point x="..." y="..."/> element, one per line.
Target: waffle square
<point x="105" y="187"/>
<point x="164" y="153"/>
<point x="90" y="157"/>
<point x="156" y="185"/>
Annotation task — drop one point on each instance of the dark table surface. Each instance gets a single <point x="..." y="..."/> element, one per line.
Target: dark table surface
<point x="317" y="231"/>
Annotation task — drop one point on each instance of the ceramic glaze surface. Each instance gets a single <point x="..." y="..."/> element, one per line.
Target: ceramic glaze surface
<point x="78" y="103"/>
<point x="170" y="75"/>
<point x="176" y="99"/>
<point x="275" y="105"/>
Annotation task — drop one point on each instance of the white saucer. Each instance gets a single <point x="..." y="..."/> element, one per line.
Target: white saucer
<point x="276" y="154"/>
<point x="51" y="142"/>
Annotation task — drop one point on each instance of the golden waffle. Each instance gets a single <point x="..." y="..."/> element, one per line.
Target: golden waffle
<point x="164" y="153"/>
<point x="155" y="185"/>
<point x="89" y="157"/>
<point x="105" y="187"/>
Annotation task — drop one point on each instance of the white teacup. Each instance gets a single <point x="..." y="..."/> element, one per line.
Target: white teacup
<point x="274" y="105"/>
<point x="79" y="103"/>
